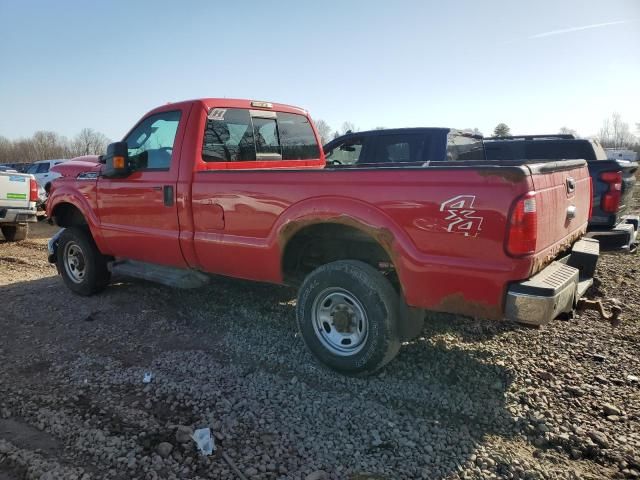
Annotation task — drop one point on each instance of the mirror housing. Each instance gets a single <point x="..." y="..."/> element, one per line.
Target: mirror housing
<point x="116" y="161"/>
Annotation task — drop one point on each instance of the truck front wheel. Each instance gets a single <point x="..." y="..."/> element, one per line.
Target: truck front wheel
<point x="347" y="314"/>
<point x="82" y="266"/>
<point x="15" y="233"/>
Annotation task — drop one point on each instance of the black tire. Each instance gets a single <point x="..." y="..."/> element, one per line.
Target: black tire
<point x="76" y="244"/>
<point x="15" y="233"/>
<point x="364" y="290"/>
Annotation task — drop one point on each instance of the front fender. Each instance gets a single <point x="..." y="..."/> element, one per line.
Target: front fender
<point x="67" y="194"/>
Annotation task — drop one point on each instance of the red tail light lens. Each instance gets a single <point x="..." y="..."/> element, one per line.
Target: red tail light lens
<point x="33" y="190"/>
<point x="522" y="231"/>
<point x="610" y="201"/>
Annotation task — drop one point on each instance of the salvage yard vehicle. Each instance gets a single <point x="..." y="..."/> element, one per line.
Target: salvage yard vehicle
<point x="403" y="145"/>
<point x="613" y="180"/>
<point x="241" y="188"/>
<point x="41" y="170"/>
<point x="18" y="199"/>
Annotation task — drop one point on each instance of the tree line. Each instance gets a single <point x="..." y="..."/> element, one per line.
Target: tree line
<point x="46" y="145"/>
<point x="614" y="133"/>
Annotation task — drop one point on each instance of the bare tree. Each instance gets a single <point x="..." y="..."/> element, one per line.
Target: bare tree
<point x="615" y="133"/>
<point x="568" y="131"/>
<point x="348" y="127"/>
<point x="46" y="145"/>
<point x="501" y="130"/>
<point x="381" y="128"/>
<point x="89" y="142"/>
<point x="6" y="150"/>
<point x="324" y="130"/>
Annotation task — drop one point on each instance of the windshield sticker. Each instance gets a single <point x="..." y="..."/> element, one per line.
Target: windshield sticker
<point x="16" y="196"/>
<point x="217" y="114"/>
<point x="17" y="178"/>
<point x="461" y="215"/>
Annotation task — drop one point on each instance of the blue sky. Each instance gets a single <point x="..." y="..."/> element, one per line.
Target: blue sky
<point x="66" y="65"/>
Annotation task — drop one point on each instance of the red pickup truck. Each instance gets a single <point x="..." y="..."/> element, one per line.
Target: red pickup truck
<point x="241" y="188"/>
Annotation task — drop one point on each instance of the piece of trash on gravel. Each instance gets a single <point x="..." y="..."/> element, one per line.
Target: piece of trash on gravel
<point x="204" y="440"/>
<point x="633" y="378"/>
<point x="148" y="376"/>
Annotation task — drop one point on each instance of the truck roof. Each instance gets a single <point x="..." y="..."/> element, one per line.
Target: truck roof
<point x="233" y="103"/>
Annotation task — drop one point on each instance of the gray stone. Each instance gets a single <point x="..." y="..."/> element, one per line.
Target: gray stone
<point x="164" y="449"/>
<point x="317" y="475"/>
<point x="183" y="434"/>
<point x="610" y="409"/>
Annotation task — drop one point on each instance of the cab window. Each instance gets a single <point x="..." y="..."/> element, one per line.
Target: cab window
<point x="237" y="134"/>
<point x="150" y="144"/>
<point x="464" y="147"/>
<point x="346" y="153"/>
<point x="43" y="167"/>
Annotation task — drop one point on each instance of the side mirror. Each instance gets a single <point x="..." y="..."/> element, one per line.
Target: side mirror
<point x="116" y="161"/>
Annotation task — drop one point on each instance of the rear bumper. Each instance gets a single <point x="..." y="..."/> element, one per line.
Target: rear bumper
<point x="17" y="215"/>
<point x="556" y="289"/>
<point x="622" y="236"/>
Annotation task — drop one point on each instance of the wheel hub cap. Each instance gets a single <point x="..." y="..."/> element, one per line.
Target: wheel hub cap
<point x="74" y="262"/>
<point x="340" y="321"/>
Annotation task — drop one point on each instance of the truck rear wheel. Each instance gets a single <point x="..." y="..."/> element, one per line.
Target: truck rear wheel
<point x="82" y="266"/>
<point x="347" y="314"/>
<point x="15" y="233"/>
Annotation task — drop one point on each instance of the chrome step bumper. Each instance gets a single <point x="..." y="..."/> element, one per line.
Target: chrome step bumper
<point x="556" y="289"/>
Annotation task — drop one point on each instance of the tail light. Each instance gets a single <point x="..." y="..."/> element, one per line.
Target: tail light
<point x="522" y="231"/>
<point x="610" y="201"/>
<point x="33" y="190"/>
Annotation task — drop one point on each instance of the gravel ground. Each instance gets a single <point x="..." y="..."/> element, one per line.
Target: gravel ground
<point x="466" y="400"/>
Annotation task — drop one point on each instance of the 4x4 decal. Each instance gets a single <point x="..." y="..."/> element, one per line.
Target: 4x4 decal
<point x="461" y="216"/>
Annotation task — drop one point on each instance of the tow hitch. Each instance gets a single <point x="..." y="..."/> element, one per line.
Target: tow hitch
<point x="613" y="318"/>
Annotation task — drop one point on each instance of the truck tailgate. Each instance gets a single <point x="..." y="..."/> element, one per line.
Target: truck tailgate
<point x="563" y="198"/>
<point x="14" y="190"/>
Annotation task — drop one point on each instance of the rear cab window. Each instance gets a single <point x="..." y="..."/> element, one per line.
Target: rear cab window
<point x="254" y="138"/>
<point x="461" y="146"/>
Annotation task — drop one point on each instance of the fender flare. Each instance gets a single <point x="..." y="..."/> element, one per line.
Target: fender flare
<point x="63" y="194"/>
<point x="350" y="212"/>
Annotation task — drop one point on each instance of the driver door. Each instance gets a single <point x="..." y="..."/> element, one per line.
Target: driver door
<point x="138" y="214"/>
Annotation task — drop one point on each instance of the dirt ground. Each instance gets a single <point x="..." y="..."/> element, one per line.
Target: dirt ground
<point x="467" y="399"/>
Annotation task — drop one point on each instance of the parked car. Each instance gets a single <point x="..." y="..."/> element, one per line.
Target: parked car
<point x="41" y="170"/>
<point x="11" y="166"/>
<point x="613" y="180"/>
<point x="18" y="199"/>
<point x="403" y="145"/>
<point x="241" y="188"/>
<point x="621" y="154"/>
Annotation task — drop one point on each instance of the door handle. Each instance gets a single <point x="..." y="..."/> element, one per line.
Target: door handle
<point x="168" y="195"/>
